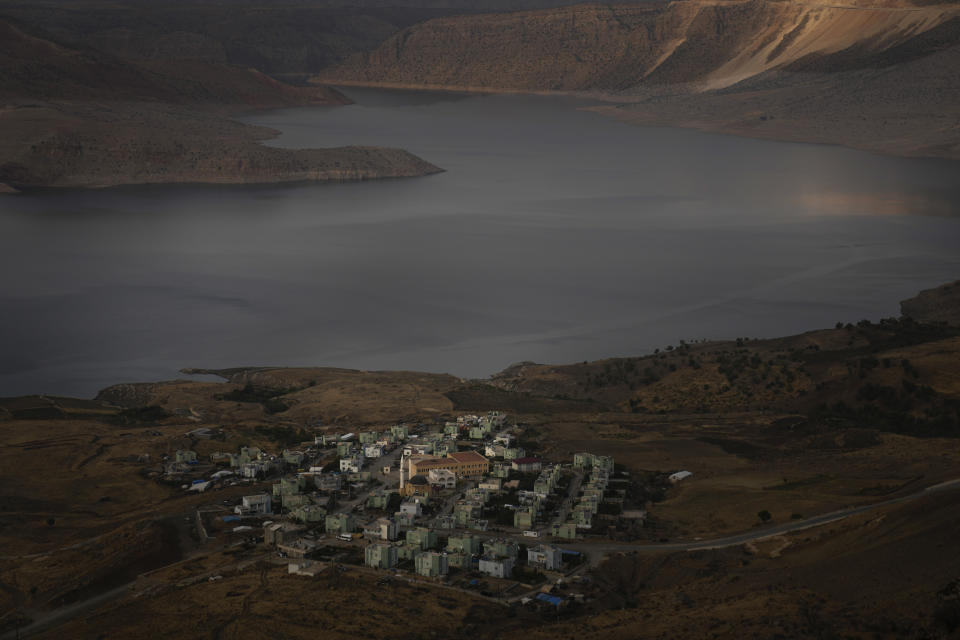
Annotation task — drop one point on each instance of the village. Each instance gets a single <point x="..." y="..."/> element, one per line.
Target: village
<point x="461" y="503"/>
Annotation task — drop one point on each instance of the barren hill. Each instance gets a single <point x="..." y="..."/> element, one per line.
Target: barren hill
<point x="77" y="117"/>
<point x="33" y="67"/>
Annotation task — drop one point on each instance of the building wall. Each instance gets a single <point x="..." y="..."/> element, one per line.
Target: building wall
<point x="432" y="564"/>
<point x="497" y="567"/>
<point x="380" y="556"/>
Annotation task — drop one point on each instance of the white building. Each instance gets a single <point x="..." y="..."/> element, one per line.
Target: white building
<point x="308" y="568"/>
<point x="382" y="528"/>
<point x="496" y="567"/>
<point x="257" y="504"/>
<point x="373" y="450"/>
<point x="445" y="478"/>
<point x="417" y="449"/>
<point x="411" y="508"/>
<point x="388" y="529"/>
<point x="674" y="478"/>
<point x="491" y="484"/>
<point x="545" y="556"/>
<point x="254" y="469"/>
<point x="494" y="450"/>
<point x="351" y="464"/>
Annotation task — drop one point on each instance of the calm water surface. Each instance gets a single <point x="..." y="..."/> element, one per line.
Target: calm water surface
<point x="555" y="235"/>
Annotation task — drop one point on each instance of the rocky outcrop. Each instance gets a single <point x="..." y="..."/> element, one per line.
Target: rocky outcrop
<point x="128" y="395"/>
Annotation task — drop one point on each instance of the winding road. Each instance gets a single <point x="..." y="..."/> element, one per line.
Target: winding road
<point x="594" y="552"/>
<point x="597" y="551"/>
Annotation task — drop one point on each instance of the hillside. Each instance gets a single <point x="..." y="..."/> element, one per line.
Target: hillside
<point x="33" y="67"/>
<point x="293" y="37"/>
<point x="77" y="117"/>
<point x="870" y="74"/>
<point x="896" y="375"/>
<point x="613" y="48"/>
<point x="95" y="512"/>
<point x="90" y="145"/>
<point x="941" y="304"/>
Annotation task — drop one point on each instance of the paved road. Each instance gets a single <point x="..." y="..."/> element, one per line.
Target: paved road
<point x="597" y="551"/>
<point x="43" y="621"/>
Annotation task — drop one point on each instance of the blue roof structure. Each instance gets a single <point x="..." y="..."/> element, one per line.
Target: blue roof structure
<point x="554" y="600"/>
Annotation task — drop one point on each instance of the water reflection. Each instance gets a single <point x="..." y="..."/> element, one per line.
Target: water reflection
<point x="877" y="204"/>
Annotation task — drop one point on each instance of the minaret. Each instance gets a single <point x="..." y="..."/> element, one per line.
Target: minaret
<point x="403" y="472"/>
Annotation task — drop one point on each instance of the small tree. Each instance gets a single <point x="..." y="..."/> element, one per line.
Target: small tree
<point x="764" y="516"/>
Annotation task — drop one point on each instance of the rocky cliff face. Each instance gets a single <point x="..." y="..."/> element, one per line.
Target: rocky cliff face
<point x="614" y="48"/>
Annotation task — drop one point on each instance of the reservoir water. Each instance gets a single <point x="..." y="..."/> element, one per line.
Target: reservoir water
<point x="555" y="235"/>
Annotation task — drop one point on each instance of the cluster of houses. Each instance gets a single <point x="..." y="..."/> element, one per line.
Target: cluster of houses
<point x="476" y="427"/>
<point x="251" y="463"/>
<point x="429" y="521"/>
<point x="496" y="558"/>
<point x="600" y="468"/>
<point x="354" y="454"/>
<point x="398" y="540"/>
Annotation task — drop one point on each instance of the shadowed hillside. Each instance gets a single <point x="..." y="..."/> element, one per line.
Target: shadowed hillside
<point x="76" y="117"/>
<point x="277" y="38"/>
